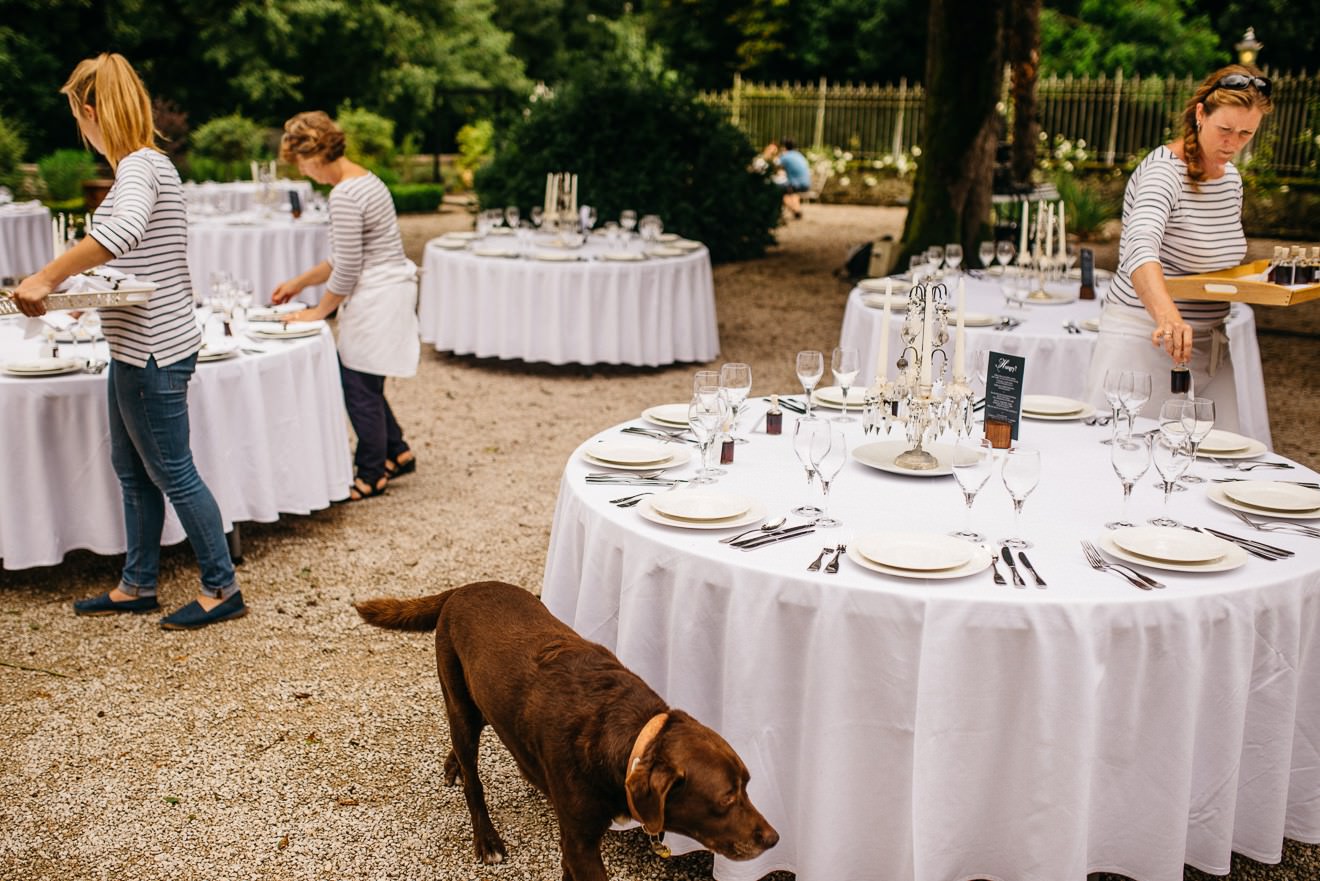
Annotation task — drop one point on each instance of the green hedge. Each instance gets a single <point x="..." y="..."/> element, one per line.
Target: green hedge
<point x="64" y="171"/>
<point x="415" y="198"/>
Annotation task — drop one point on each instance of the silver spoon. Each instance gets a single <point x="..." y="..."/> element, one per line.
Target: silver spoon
<point x="767" y="526"/>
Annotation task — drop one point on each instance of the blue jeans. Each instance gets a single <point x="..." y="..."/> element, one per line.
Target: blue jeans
<point x="152" y="457"/>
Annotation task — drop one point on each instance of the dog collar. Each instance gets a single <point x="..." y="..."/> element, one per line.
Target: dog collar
<point x="644" y="739"/>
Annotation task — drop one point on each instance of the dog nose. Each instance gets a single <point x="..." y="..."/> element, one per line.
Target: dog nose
<point x="766" y="836"/>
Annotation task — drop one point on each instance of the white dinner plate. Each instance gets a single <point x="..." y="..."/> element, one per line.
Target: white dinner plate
<point x="881" y="455"/>
<point x="465" y="236"/>
<point x="42" y="366"/>
<point x="832" y="396"/>
<point x="494" y="252"/>
<point x="667" y="237"/>
<point x="556" y="256"/>
<point x="273" y="313"/>
<point x="1254" y="448"/>
<point x="1091" y="324"/>
<point x="1220" y="441"/>
<point x="878" y="285"/>
<point x="1170" y="544"/>
<point x="679" y="455"/>
<point x="1233" y="558"/>
<point x="918" y="551"/>
<point x="1273" y="496"/>
<point x="1086" y="412"/>
<point x="1215" y="493"/>
<point x="978" y="319"/>
<point x="668" y="415"/>
<point x="291" y="331"/>
<point x="685" y="244"/>
<point x="700" y="504"/>
<point x="451" y="244"/>
<point x="664" y="251"/>
<point x="1051" y="405"/>
<point x="622" y="256"/>
<point x="1044" y="298"/>
<point x="898" y="303"/>
<point x="979" y="561"/>
<point x="68" y="336"/>
<point x="630" y="452"/>
<point x="219" y="350"/>
<point x="754" y="515"/>
<point x="500" y="231"/>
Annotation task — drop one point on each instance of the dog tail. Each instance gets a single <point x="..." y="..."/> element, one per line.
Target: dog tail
<point x="414" y="614"/>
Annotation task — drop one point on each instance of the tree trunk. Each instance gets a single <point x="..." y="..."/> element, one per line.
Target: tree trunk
<point x="1023" y="45"/>
<point x="964" y="59"/>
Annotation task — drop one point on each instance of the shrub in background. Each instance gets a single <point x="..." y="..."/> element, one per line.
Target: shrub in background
<point x="476" y="147"/>
<point x="12" y="149"/>
<point x="223" y="149"/>
<point x="369" y="140"/>
<point x="1090" y="204"/>
<point x="639" y="139"/>
<point x="416" y="198"/>
<point x="64" y="171"/>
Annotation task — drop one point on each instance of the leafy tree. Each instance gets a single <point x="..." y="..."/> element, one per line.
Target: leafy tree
<point x="1140" y="36"/>
<point x="12" y="149"/>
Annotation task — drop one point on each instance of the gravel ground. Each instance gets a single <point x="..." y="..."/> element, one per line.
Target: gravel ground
<point x="299" y="743"/>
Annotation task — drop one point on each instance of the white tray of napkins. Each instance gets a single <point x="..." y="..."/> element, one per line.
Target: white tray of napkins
<point x="100" y="288"/>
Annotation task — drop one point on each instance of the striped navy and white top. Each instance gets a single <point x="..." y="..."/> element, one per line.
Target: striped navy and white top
<point x="143" y="222"/>
<point x="364" y="231"/>
<point x="1187" y="231"/>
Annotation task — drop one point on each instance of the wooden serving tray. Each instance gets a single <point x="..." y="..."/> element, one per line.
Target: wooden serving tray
<point x="1239" y="285"/>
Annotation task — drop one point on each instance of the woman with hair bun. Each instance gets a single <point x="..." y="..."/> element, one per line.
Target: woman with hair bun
<point x="141" y="228"/>
<point x="372" y="284"/>
<point x="1182" y="215"/>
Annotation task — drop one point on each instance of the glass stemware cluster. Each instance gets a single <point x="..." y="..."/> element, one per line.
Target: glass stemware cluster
<point x="231" y="298"/>
<point x="822" y="449"/>
<point x="1127" y="391"/>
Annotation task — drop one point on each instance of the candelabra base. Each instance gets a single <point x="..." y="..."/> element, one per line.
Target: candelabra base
<point x="917" y="459"/>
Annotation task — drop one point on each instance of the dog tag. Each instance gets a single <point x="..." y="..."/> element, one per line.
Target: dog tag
<point x="660" y="849"/>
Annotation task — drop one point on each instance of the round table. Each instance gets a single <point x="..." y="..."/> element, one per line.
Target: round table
<point x="591" y="311"/>
<point x="267" y="251"/>
<point x="25" y="239"/>
<point x="269" y="436"/>
<point x="1057" y="360"/>
<point x="240" y="195"/>
<point x="926" y="730"/>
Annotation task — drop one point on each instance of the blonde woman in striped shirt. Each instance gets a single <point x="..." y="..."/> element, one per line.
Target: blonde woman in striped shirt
<point x="1182" y="215"/>
<point x="141" y="228"/>
<point x="374" y="287"/>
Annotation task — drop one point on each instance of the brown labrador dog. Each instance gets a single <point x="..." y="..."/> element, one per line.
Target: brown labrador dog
<point x="583" y="729"/>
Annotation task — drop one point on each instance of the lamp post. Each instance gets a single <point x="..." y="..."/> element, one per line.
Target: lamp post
<point x="1248" y="47"/>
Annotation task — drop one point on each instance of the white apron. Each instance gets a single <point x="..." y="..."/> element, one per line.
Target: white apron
<point x="378" y="322"/>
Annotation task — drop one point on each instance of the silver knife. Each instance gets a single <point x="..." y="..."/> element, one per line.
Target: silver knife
<point x="1040" y="582"/>
<point x="783" y="530"/>
<point x="796" y="532"/>
<point x="1008" y="558"/>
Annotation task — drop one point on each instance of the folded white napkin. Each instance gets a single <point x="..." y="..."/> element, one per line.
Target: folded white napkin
<point x="103" y="278"/>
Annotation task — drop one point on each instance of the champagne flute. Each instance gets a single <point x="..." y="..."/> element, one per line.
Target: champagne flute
<point x="1130" y="456"/>
<point x="973" y="463"/>
<point x="829" y="452"/>
<point x="1197" y="420"/>
<point x="986" y="252"/>
<point x="810" y="368"/>
<point x="1171" y="457"/>
<point x="843" y="363"/>
<point x="953" y="256"/>
<point x="803" y="434"/>
<point x="736" y="384"/>
<point x="1021" y="475"/>
<point x="706" y="414"/>
<point x="512" y="216"/>
<point x="1134" y="392"/>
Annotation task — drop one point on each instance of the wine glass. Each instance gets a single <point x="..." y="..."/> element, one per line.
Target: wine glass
<point x="804" y="433"/>
<point x="953" y="256"/>
<point x="935" y="259"/>
<point x="1114" y="392"/>
<point x="1171" y="456"/>
<point x="1069" y="256"/>
<point x="705" y="378"/>
<point x="810" y="368"/>
<point x="843" y="362"/>
<point x="973" y="462"/>
<point x="512" y="216"/>
<point x="1004" y="252"/>
<point x="1134" y="392"/>
<point x="1197" y="420"/>
<point x="1130" y="456"/>
<point x="1021" y="474"/>
<point x="706" y="414"/>
<point x="916" y="263"/>
<point x="829" y="451"/>
<point x="986" y="251"/>
<point x="537" y="215"/>
<point x="589" y="215"/>
<point x="736" y="384"/>
<point x="628" y="220"/>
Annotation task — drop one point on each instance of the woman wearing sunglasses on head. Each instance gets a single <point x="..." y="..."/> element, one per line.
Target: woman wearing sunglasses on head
<point x="1182" y="215"/>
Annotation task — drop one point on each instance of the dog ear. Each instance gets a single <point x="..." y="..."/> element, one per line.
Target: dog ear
<point x="647" y="787"/>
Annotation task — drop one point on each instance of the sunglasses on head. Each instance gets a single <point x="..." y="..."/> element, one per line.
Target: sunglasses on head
<point x="1240" y="82"/>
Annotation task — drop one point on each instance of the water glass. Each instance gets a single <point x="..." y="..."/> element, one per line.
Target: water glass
<point x="1130" y="456"/>
<point x="1114" y="392"/>
<point x="512" y="216"/>
<point x="973" y="462"/>
<point x="804" y="433"/>
<point x="628" y="220"/>
<point x="1133" y="393"/>
<point x="934" y="259"/>
<point x="986" y="252"/>
<point x="1021" y="475"/>
<point x="735" y="385"/>
<point x="706" y="414"/>
<point x="1171" y="456"/>
<point x="829" y="452"/>
<point x="1197" y="420"/>
<point x="537" y="215"/>
<point x="1004" y="252"/>
<point x="705" y="378"/>
<point x="953" y="256"/>
<point x="843" y="363"/>
<point x="810" y="368"/>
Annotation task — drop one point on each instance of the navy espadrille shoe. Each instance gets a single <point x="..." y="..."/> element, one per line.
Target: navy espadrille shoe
<point x="193" y="616"/>
<point x="103" y="605"/>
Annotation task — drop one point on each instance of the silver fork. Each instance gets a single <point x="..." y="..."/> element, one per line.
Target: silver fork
<point x="1233" y="465"/>
<point x="815" y="566"/>
<point x="628" y="501"/>
<point x="1272" y="526"/>
<point x="833" y="566"/>
<point x="1100" y="564"/>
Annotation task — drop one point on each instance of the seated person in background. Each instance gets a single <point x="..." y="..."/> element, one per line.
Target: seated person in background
<point x="795" y="166"/>
<point x="768" y="159"/>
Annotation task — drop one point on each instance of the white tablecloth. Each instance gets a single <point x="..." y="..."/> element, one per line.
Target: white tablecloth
<point x="240" y="195"/>
<point x="267" y="252"/>
<point x="269" y="436"/>
<point x="912" y="730"/>
<point x="1056" y="359"/>
<point x="25" y="240"/>
<point x="658" y="311"/>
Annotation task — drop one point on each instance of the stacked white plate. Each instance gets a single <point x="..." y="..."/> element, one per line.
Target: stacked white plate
<point x="75" y="335"/>
<point x="898" y="303"/>
<point x="1269" y="497"/>
<point x="465" y="236"/>
<point x="881" y="455"/>
<point x="668" y="237"/>
<point x="877" y="285"/>
<point x="685" y="244"/>
<point x="701" y="508"/>
<point x="622" y="256"/>
<point x="635" y="455"/>
<point x="979" y="319"/>
<point x="556" y="256"/>
<point x="918" y="555"/>
<point x="273" y="313"/>
<point x="668" y="415"/>
<point x="832" y="396"/>
<point x="42" y="366"/>
<point x="1044" y="298"/>
<point x="664" y="251"/>
<point x="218" y="350"/>
<point x="291" y="331"/>
<point x="1053" y="407"/>
<point x="1173" y="548"/>
<point x="451" y="244"/>
<point x="494" y="252"/>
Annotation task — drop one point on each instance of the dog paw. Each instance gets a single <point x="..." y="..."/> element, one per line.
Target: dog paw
<point x="491" y="852"/>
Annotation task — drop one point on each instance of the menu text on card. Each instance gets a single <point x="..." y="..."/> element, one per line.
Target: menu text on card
<point x="1087" y="291"/>
<point x="1003" y="397"/>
